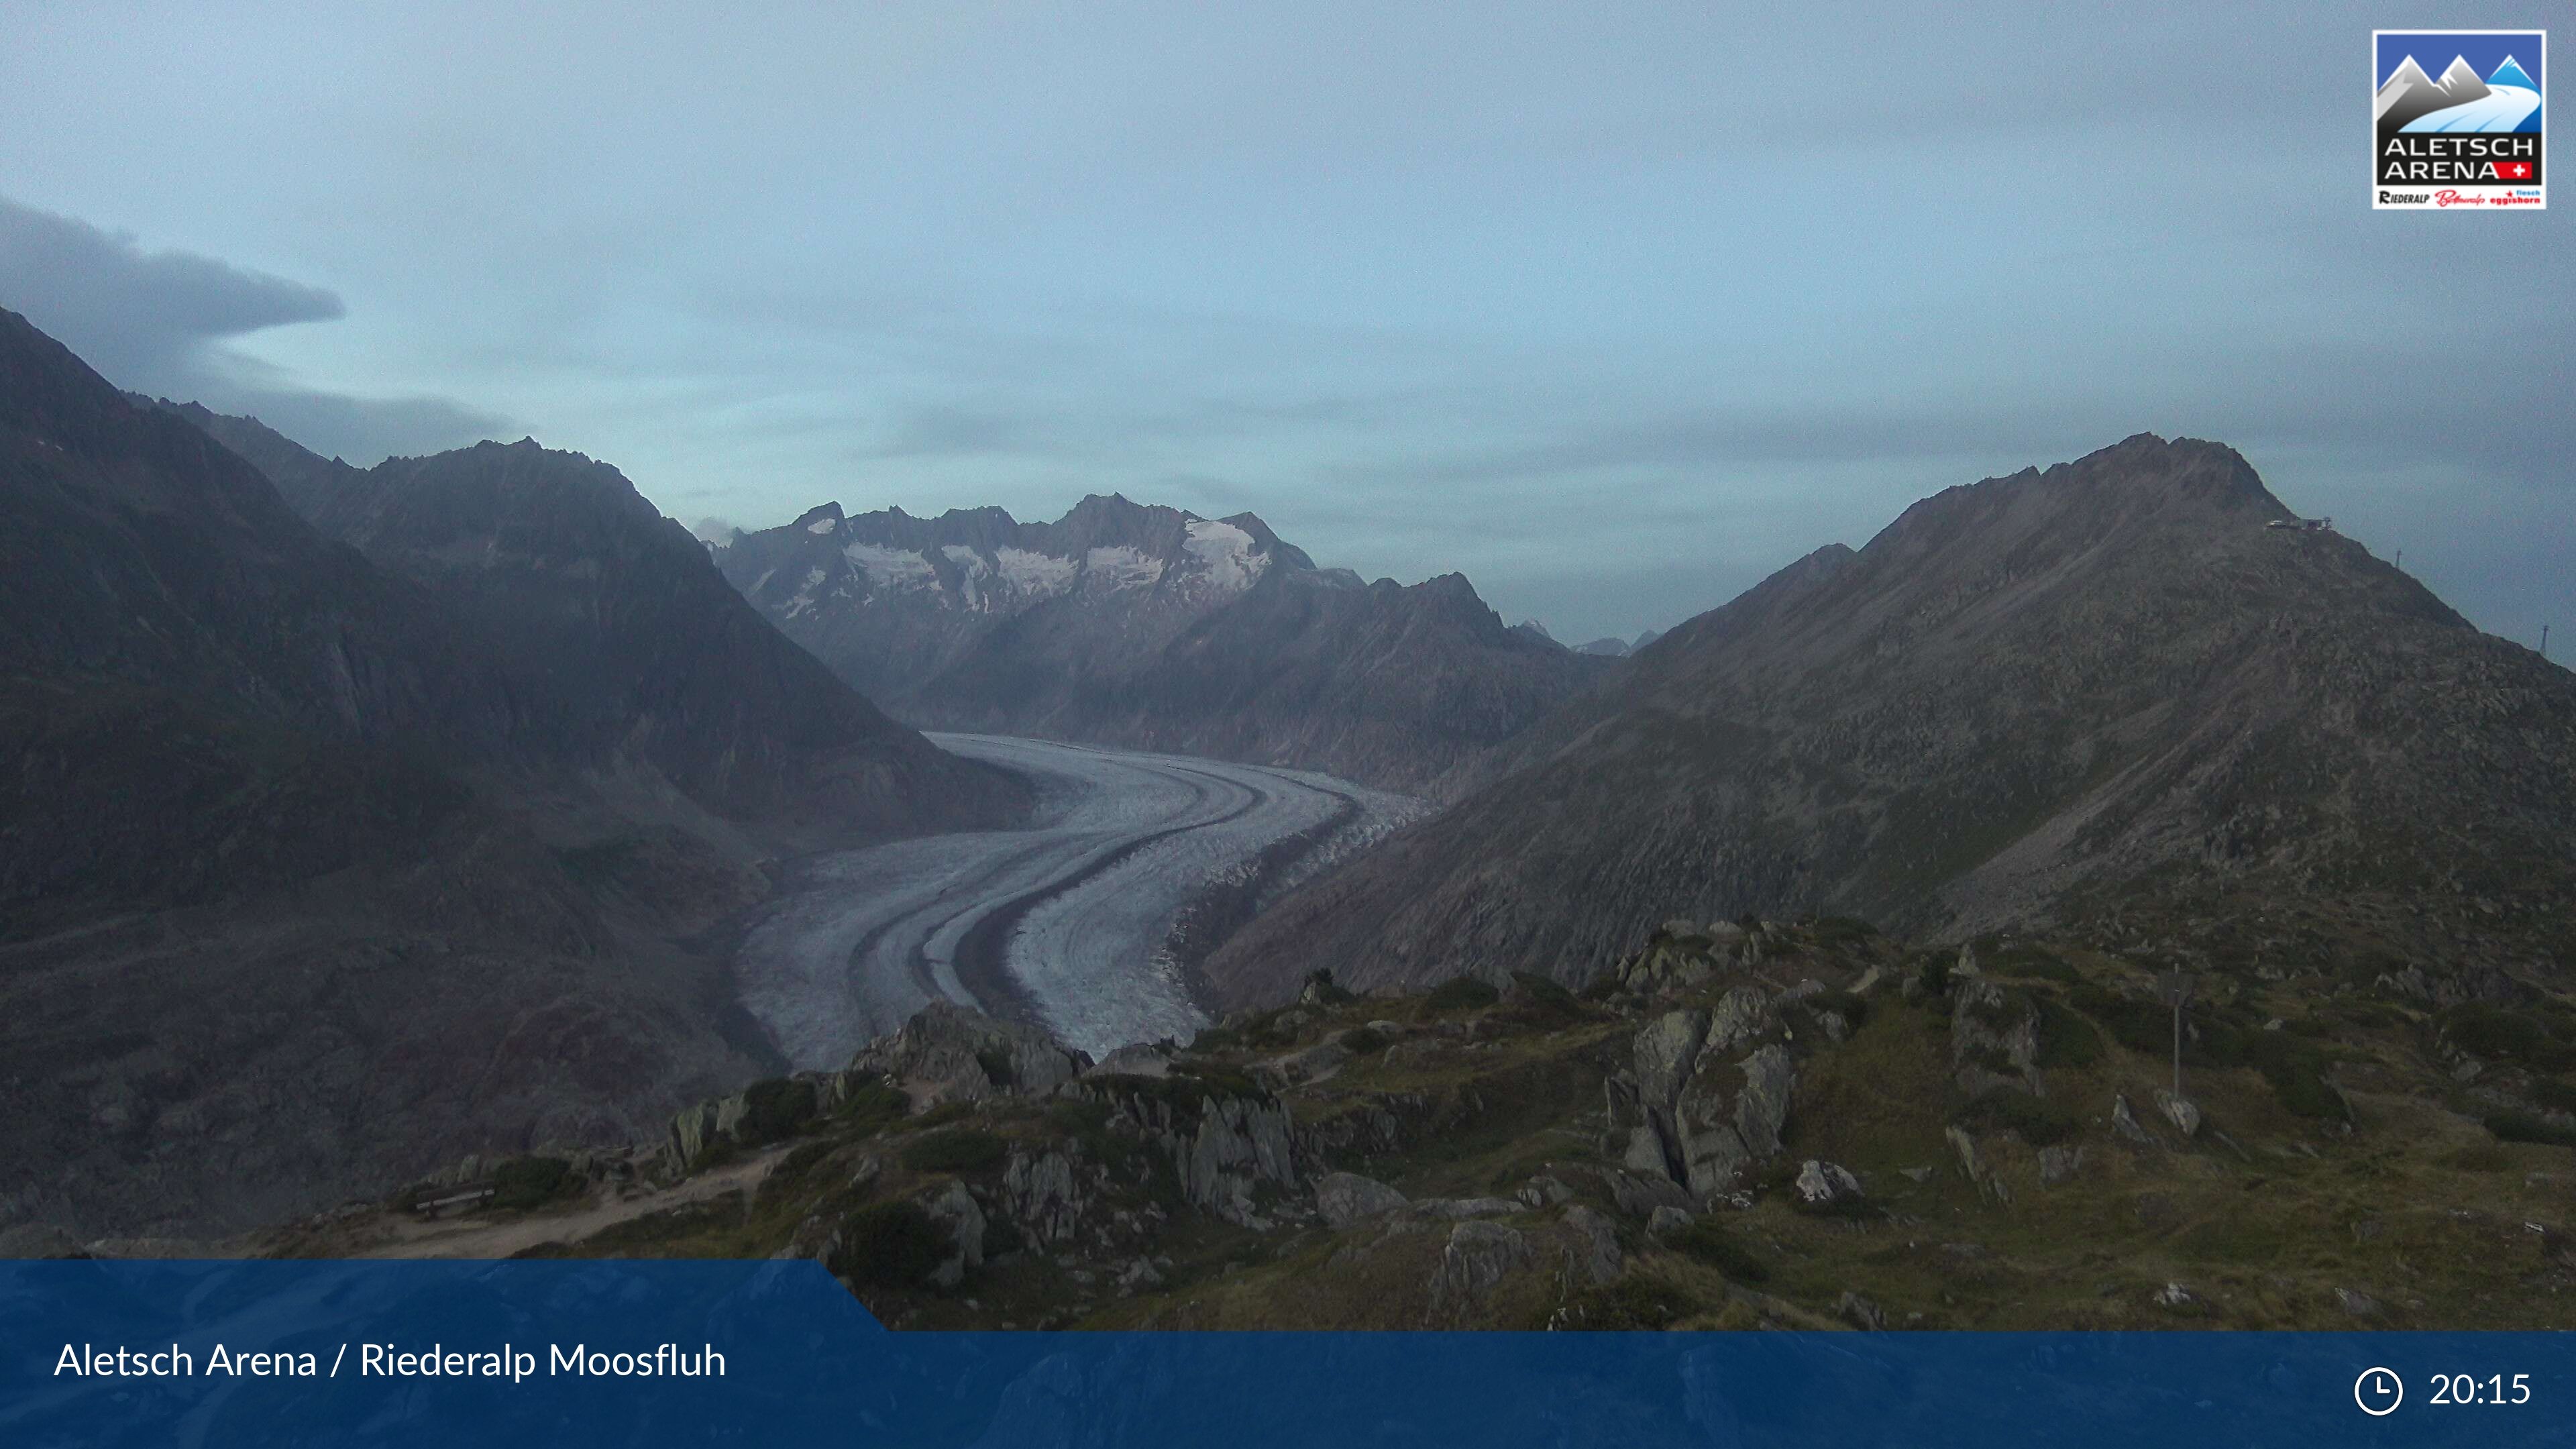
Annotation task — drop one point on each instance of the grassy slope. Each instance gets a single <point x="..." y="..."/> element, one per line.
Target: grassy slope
<point x="2270" y="1218"/>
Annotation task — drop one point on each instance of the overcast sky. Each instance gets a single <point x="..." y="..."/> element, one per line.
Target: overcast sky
<point x="1614" y="308"/>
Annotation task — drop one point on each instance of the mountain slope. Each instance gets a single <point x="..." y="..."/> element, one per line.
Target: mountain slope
<point x="1152" y="628"/>
<point x="2105" y="694"/>
<point x="312" y="874"/>
<point x="163" y="615"/>
<point x="612" y="614"/>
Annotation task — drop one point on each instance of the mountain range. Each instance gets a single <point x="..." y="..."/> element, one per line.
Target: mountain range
<point x="331" y="852"/>
<point x="2103" y="697"/>
<point x="1149" y="627"/>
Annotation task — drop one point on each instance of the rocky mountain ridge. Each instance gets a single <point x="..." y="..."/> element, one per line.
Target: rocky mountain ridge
<point x="1150" y="627"/>
<point x="2106" y="695"/>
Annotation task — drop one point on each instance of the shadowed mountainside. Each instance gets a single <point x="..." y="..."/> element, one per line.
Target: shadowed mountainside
<point x="313" y="872"/>
<point x="2105" y="695"/>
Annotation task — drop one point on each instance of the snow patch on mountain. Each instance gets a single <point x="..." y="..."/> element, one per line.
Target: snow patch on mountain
<point x="805" y="596"/>
<point x="894" y="570"/>
<point x="1121" y="566"/>
<point x="1225" y="555"/>
<point x="824" y="524"/>
<point x="1038" y="575"/>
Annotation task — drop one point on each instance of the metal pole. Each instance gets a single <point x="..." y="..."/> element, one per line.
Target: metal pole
<point x="2177" y="1044"/>
<point x="2176" y="988"/>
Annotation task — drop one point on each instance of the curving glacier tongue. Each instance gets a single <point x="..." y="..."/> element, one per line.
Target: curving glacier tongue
<point x="1070" y="922"/>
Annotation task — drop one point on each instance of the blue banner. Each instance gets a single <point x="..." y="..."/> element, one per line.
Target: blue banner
<point x="562" y="1353"/>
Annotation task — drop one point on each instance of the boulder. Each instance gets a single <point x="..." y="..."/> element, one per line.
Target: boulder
<point x="956" y="1212"/>
<point x="1763" y="1108"/>
<point x="1345" y="1198"/>
<point x="1545" y="1190"/>
<point x="2124" y="1121"/>
<point x="1726" y="1125"/>
<point x="1639" y="1196"/>
<point x="1823" y="1184"/>
<point x="1479" y="1255"/>
<point x="1044" y="1194"/>
<point x="1860" y="1312"/>
<point x="1669" y="1220"/>
<point x="1595" y="1255"/>
<point x="1974" y="1165"/>
<point x="1743" y="1015"/>
<point x="2059" y="1162"/>
<point x="2180" y="1111"/>
<point x="1666" y="1051"/>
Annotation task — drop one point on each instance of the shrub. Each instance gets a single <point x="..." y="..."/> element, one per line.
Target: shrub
<point x="775" y="1109"/>
<point x="1360" y="1041"/>
<point x="960" y="1149"/>
<point x="1840" y="930"/>
<point x="1542" y="990"/>
<point x="801" y="1161"/>
<point x="2010" y="1109"/>
<point x="2552" y="1093"/>
<point x="528" y="1182"/>
<point x="2513" y="1126"/>
<point x="2499" y="1034"/>
<point x="876" y="1103"/>
<point x="996" y="1063"/>
<point x="1462" y="993"/>
<point x="1851" y="1006"/>
<point x="1704" y="1241"/>
<point x="1327" y="991"/>
<point x="1214" y="1079"/>
<point x="2034" y="965"/>
<point x="2296" y="1069"/>
<point x="890" y="1245"/>
<point x="2066" y="1039"/>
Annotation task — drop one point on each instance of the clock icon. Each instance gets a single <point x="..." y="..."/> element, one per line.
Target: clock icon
<point x="2378" y="1391"/>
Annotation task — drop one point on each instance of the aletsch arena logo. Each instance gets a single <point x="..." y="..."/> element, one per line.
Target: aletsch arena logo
<point x="2463" y="137"/>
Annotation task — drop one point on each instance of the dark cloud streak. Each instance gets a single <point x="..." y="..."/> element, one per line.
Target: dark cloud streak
<point x="156" y="322"/>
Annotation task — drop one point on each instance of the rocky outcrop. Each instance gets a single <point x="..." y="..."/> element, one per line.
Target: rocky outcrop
<point x="955" y="1211"/>
<point x="952" y="1053"/>
<point x="1994" y="1039"/>
<point x="1476" y="1260"/>
<point x="1345" y="1198"/>
<point x="1594" y="1256"/>
<point x="1690" y="1110"/>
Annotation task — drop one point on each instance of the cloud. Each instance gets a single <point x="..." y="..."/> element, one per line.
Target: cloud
<point x="156" y="321"/>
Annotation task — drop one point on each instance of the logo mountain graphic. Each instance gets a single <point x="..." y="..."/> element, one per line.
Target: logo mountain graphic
<point x="2459" y="101"/>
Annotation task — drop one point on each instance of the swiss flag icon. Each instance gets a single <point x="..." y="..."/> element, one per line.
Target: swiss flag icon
<point x="2514" y="170"/>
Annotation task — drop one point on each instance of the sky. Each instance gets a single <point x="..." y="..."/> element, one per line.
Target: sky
<point x="1614" y="309"/>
